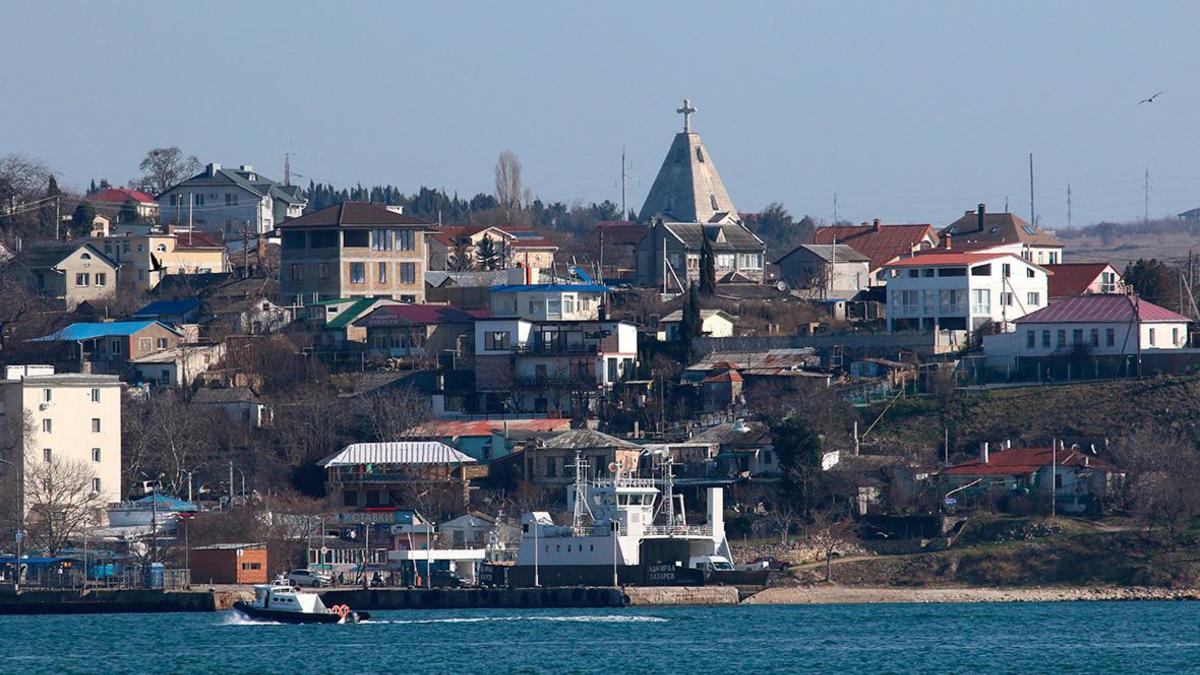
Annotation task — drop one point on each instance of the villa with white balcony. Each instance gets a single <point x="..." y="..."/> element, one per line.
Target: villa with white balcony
<point x="950" y="290"/>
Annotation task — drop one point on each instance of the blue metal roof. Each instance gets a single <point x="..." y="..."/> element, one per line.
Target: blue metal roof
<point x="167" y="502"/>
<point x="171" y="307"/>
<point x="580" y="288"/>
<point x="90" y="331"/>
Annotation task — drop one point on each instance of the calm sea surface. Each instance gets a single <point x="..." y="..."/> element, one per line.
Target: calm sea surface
<point x="1093" y="637"/>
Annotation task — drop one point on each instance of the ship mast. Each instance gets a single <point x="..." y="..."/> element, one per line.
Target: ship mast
<point x="581" y="505"/>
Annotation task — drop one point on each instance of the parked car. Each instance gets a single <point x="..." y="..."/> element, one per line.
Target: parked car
<point x="446" y="579"/>
<point x="309" y="578"/>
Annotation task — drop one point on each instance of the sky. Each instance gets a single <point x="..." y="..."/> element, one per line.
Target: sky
<point x="907" y="111"/>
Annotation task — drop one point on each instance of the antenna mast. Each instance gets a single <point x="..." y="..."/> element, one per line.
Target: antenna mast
<point x="624" y="213"/>
<point x="1068" y="206"/>
<point x="287" y="169"/>
<point x="1032" y="213"/>
<point x="1146" y="190"/>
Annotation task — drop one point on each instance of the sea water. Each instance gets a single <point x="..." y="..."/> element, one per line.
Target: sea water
<point x="1091" y="637"/>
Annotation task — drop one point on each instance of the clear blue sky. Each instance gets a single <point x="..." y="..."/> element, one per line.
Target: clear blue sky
<point x="909" y="112"/>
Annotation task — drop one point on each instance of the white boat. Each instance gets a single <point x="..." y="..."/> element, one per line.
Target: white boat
<point x="282" y="602"/>
<point x="626" y="530"/>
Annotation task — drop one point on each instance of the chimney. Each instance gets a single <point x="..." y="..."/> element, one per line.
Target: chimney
<point x="949" y="241"/>
<point x="982" y="212"/>
<point x="983" y="452"/>
<point x="246" y="168"/>
<point x="875" y="225"/>
<point x="213" y="168"/>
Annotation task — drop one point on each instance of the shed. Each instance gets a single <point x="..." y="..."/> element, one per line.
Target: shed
<point x="229" y="564"/>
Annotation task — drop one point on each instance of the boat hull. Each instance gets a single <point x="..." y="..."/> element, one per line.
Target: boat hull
<point x="296" y="617"/>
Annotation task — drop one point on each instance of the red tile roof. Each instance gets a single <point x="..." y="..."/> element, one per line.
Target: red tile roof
<point x="724" y="376"/>
<point x="452" y="428"/>
<point x="1022" y="461"/>
<point x="1074" y="278"/>
<point x="881" y="244"/>
<point x="350" y="214"/>
<point x="1101" y="308"/>
<point x="407" y="315"/>
<point x="944" y="258"/>
<point x="120" y="196"/>
<point x="196" y="239"/>
<point x="621" y="232"/>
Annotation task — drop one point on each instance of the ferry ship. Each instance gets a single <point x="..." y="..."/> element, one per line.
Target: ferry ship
<point x="627" y="530"/>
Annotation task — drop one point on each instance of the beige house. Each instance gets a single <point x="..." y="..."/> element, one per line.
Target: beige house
<point x="353" y="250"/>
<point x="145" y="259"/>
<point x="61" y="419"/>
<point x="513" y="245"/>
<point x="177" y="366"/>
<point x="551" y="463"/>
<point x="72" y="272"/>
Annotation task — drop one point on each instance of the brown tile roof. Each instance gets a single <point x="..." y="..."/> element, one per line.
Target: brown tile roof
<point x="621" y="232"/>
<point x="1073" y="278"/>
<point x="196" y="240"/>
<point x="998" y="228"/>
<point x="351" y="214"/>
<point x="881" y="244"/>
<point x="1024" y="461"/>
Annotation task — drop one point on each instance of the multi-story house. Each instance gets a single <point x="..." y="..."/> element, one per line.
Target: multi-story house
<point x="982" y="231"/>
<point x="1071" y="279"/>
<point x="879" y="242"/>
<point x="110" y="347"/>
<point x="146" y="258"/>
<point x="949" y="290"/>
<point x="124" y="204"/>
<point x="353" y="250"/>
<point x="70" y="272"/>
<point x="513" y="246"/>
<point x="235" y="204"/>
<point x="547" y="348"/>
<point x="66" y="425"/>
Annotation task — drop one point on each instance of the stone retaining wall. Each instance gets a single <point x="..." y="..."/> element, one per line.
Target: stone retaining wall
<point x="682" y="595"/>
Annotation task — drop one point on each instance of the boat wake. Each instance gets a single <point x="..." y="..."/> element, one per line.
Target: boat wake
<point x="236" y="618"/>
<point x="610" y="618"/>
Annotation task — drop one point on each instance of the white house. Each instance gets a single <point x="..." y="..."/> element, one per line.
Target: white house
<point x="232" y="203"/>
<point x="1099" y="324"/>
<point x="713" y="323"/>
<point x="949" y="290"/>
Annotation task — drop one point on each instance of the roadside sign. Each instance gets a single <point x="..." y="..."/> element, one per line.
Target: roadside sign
<point x="951" y="501"/>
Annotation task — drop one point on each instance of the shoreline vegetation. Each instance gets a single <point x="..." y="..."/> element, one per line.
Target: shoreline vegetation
<point x="833" y="594"/>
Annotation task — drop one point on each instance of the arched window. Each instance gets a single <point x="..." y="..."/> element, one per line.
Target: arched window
<point x="699" y="154"/>
<point x="712" y="199"/>
<point x="86" y="256"/>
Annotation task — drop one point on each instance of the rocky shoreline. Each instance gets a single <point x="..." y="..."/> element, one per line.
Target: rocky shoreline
<point x="834" y="594"/>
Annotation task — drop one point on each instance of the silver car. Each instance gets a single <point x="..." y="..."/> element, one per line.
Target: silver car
<point x="309" y="578"/>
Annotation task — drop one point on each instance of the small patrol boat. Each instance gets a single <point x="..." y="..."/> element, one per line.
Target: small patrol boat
<point x="282" y="602"/>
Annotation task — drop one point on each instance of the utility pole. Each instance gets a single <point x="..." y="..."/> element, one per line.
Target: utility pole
<point x="58" y="215"/>
<point x="624" y="213"/>
<point x="1146" y="193"/>
<point x="835" y="209"/>
<point x="1032" y="213"/>
<point x="1068" y="207"/>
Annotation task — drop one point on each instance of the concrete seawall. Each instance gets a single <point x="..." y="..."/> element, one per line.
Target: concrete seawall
<point x="682" y="595"/>
<point x="465" y="598"/>
<point x="118" y="601"/>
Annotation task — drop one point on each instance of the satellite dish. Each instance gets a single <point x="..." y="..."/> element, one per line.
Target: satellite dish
<point x="781" y="285"/>
<point x="613" y="467"/>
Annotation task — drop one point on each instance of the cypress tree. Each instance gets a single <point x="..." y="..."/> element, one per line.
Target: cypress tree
<point x="708" y="269"/>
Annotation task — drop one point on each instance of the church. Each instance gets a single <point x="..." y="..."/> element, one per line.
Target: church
<point x="687" y="204"/>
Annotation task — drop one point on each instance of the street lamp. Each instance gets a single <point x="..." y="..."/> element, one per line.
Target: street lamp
<point x="19" y="535"/>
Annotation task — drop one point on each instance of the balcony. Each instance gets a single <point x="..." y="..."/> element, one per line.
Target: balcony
<point x="554" y="348"/>
<point x="558" y="381"/>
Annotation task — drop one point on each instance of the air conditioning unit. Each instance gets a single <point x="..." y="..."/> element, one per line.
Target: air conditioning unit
<point x="44" y="406"/>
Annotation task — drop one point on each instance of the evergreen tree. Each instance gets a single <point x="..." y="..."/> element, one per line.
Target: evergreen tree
<point x="459" y="259"/>
<point x="487" y="255"/>
<point x="49" y="210"/>
<point x="1154" y="281"/>
<point x="690" y="324"/>
<point x="129" y="212"/>
<point x="92" y="187"/>
<point x="708" y="269"/>
<point x="81" y="219"/>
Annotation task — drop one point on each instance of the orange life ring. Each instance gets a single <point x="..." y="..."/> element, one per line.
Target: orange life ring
<point x="341" y="610"/>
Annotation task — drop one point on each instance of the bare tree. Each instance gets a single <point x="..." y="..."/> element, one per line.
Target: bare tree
<point x="61" y="503"/>
<point x="1164" y="471"/>
<point x="826" y="533"/>
<point x="164" y="167"/>
<point x="392" y="413"/>
<point x="508" y="181"/>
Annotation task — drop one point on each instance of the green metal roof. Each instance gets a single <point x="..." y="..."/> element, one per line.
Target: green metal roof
<point x="352" y="312"/>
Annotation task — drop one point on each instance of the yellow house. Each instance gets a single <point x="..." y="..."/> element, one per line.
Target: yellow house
<point x="72" y="272"/>
<point x="146" y="258"/>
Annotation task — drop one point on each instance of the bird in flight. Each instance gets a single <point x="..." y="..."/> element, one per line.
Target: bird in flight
<point x="1151" y="99"/>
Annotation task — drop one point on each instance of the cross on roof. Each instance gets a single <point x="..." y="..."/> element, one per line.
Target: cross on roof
<point x="686" y="111"/>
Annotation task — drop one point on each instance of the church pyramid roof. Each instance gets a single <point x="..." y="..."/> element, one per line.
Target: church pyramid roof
<point x="688" y="188"/>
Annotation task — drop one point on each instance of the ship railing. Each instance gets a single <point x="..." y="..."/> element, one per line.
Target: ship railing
<point x="626" y="482"/>
<point x="679" y="531"/>
<point x="592" y="531"/>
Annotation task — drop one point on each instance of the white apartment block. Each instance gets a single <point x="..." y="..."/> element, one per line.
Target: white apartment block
<point x="948" y="290"/>
<point x="70" y="418"/>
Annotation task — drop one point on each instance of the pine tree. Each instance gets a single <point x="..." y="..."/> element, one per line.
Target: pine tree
<point x="486" y="254"/>
<point x="129" y="212"/>
<point x="81" y="219"/>
<point x="708" y="269"/>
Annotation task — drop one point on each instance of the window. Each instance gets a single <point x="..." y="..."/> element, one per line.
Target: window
<point x="47" y="395"/>
<point x="82" y="279"/>
<point x="1175" y="337"/>
<point x="349" y="498"/>
<point x="297" y="272"/>
<point x="101" y="279"/>
<point x="197" y="200"/>
<point x="913" y="274"/>
<point x="497" y="339"/>
<point x="96" y="455"/>
<point x="47" y="426"/>
<point x="1077" y="336"/>
<point x="406" y="240"/>
<point x="358" y="273"/>
<point x="1110" y="337"/>
<point x="408" y="273"/>
<point x="712" y="199"/>
<point x="551" y="467"/>
<point x="1030" y="273"/>
<point x="1006" y="299"/>
<point x="1095" y="337"/>
<point x="162" y="341"/>
<point x="95" y="425"/>
<point x="144" y="344"/>
<point x="982" y="270"/>
<point x="568" y="304"/>
<point x="726" y="260"/>
<point x="114" y="346"/>
<point x="1046" y="339"/>
<point x="749" y="261"/>
<point x="981" y="301"/>
<point x="1151" y="337"/>
<point x="410" y="299"/>
<point x="1062" y="337"/>
<point x="381" y="240"/>
<point x="322" y="271"/>
<point x="553" y="306"/>
<point x="1030" y="339"/>
<point x="356" y="238"/>
<point x="47" y="455"/>
<point x="952" y="272"/>
<point x="383" y="272"/>
<point x="1006" y="270"/>
<point x="700" y="157"/>
<point x="1033" y="299"/>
